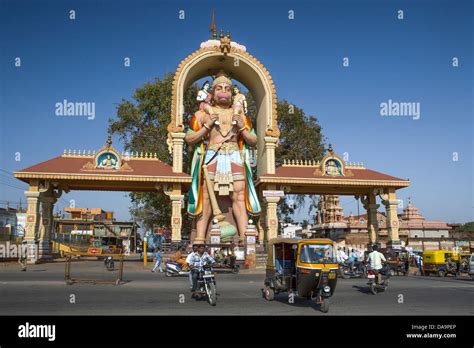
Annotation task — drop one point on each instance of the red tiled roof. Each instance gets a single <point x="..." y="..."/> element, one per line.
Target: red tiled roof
<point x="75" y="165"/>
<point x="307" y="172"/>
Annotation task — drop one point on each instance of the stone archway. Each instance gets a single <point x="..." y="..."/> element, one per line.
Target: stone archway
<point x="249" y="71"/>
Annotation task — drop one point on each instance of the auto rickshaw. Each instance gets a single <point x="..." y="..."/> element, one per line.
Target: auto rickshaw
<point x="397" y="260"/>
<point x="441" y="262"/>
<point x="307" y="267"/>
<point x="464" y="262"/>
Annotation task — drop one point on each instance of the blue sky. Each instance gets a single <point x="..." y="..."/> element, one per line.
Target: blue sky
<point x="407" y="60"/>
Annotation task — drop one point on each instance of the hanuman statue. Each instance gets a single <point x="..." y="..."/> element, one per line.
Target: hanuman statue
<point x="221" y="134"/>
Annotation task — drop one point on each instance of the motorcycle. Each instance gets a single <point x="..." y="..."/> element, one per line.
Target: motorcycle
<point x="109" y="263"/>
<point x="206" y="285"/>
<point x="175" y="269"/>
<point x="358" y="271"/>
<point x="378" y="281"/>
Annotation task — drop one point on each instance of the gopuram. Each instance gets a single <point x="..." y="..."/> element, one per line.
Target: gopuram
<point x="229" y="203"/>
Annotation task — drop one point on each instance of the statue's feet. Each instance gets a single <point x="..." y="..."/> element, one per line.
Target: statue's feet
<point x="199" y="241"/>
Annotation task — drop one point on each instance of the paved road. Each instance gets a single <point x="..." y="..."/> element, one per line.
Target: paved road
<point x="42" y="290"/>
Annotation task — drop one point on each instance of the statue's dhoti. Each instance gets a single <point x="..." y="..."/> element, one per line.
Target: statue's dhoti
<point x="225" y="168"/>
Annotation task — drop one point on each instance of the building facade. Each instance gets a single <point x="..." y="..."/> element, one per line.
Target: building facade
<point x="414" y="230"/>
<point x="82" y="224"/>
<point x="8" y="223"/>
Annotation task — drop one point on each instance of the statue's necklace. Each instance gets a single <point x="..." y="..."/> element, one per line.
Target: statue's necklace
<point x="225" y="122"/>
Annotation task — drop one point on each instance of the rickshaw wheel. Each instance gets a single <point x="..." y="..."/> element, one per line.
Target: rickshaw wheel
<point x="324" y="307"/>
<point x="392" y="272"/>
<point x="268" y="293"/>
<point x="235" y="270"/>
<point x="442" y="273"/>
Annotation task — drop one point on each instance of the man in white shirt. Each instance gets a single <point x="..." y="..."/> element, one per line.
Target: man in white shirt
<point x="341" y="256"/>
<point x="196" y="260"/>
<point x="376" y="259"/>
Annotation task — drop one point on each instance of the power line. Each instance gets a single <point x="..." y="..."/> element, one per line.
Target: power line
<point x="347" y="203"/>
<point x="16" y="187"/>
<point x="9" y="177"/>
<point x="7" y="201"/>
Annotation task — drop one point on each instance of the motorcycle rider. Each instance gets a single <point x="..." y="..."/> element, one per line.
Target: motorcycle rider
<point x="376" y="261"/>
<point x="196" y="260"/>
<point x="353" y="258"/>
<point x="341" y="256"/>
<point x="180" y="258"/>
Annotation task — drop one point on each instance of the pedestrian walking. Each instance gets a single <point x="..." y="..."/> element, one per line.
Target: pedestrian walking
<point x="158" y="260"/>
<point x="421" y="266"/>
<point x="22" y="260"/>
<point x="23" y="257"/>
<point x="419" y="263"/>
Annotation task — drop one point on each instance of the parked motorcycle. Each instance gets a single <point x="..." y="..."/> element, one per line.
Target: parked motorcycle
<point x="206" y="285"/>
<point x="109" y="263"/>
<point x="226" y="264"/>
<point x="175" y="269"/>
<point x="378" y="281"/>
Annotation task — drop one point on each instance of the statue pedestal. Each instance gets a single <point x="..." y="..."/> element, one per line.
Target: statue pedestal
<point x="215" y="234"/>
<point x="250" y="246"/>
<point x="236" y="240"/>
<point x="394" y="244"/>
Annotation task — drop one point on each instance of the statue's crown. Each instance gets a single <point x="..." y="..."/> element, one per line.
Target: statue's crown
<point x="221" y="78"/>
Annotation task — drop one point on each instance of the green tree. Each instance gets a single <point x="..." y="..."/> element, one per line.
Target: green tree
<point x="141" y="124"/>
<point x="300" y="134"/>
<point x="467" y="227"/>
<point x="300" y="138"/>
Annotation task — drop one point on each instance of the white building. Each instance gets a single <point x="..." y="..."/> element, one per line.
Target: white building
<point x="291" y="231"/>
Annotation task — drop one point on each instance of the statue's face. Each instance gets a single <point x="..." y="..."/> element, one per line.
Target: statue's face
<point x="222" y="94"/>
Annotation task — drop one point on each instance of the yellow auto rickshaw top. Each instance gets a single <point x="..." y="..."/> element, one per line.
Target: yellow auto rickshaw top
<point x="297" y="240"/>
<point x="292" y="241"/>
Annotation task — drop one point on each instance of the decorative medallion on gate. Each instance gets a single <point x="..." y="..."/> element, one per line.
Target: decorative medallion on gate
<point x="332" y="165"/>
<point x="107" y="158"/>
